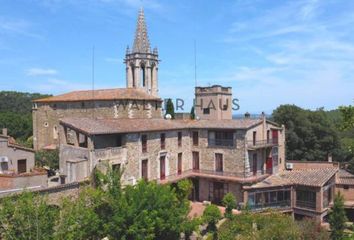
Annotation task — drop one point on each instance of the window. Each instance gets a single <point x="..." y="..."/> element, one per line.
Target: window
<point x="163" y="140"/>
<point x="195" y="160"/>
<point x="22" y="166"/>
<point x="345" y="187"/>
<point x="206" y="110"/>
<point x="116" y="167"/>
<point x="55" y="132"/>
<point x="162" y="167"/>
<point x="195" y="139"/>
<point x="306" y="199"/>
<point x="179" y="139"/>
<point x="82" y="104"/>
<point x="119" y="140"/>
<point x="144" y="169"/>
<point x="142" y="76"/>
<point x="179" y="163"/>
<point x="144" y="143"/>
<point x="218" y="162"/>
<point x="254" y="163"/>
<point x="225" y="107"/>
<point x="268" y="136"/>
<point x="54" y="106"/>
<point x="254" y="138"/>
<point x="221" y="138"/>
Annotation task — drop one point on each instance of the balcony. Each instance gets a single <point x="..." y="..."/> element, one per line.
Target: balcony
<point x="233" y="176"/>
<point x="279" y="204"/>
<point x="110" y="153"/>
<point x="306" y="204"/>
<point x="262" y="143"/>
<point x="212" y="142"/>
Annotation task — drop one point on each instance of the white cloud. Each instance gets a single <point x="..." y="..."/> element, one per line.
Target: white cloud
<point x="17" y="26"/>
<point x="41" y="72"/>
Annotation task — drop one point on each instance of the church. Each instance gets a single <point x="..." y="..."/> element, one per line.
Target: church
<point x="126" y="129"/>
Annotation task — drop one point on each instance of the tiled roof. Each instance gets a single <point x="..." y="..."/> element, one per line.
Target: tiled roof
<point x="110" y="126"/>
<point x="308" y="177"/>
<point x="101" y="94"/>
<point x="271" y="181"/>
<point x="345" y="178"/>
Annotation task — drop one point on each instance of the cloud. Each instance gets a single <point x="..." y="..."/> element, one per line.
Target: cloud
<point x="18" y="26"/>
<point x="41" y="72"/>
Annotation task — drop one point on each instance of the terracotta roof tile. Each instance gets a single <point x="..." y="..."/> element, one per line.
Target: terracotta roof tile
<point x="101" y="94"/>
<point x="345" y="178"/>
<point x="308" y="177"/>
<point x="110" y="126"/>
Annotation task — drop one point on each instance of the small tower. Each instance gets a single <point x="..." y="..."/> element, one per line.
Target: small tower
<point x="213" y="103"/>
<point x="141" y="63"/>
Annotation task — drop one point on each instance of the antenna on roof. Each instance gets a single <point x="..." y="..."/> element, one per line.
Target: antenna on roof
<point x="93" y="81"/>
<point x="195" y="62"/>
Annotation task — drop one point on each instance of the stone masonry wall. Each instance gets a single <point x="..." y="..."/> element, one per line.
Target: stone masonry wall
<point x="46" y="116"/>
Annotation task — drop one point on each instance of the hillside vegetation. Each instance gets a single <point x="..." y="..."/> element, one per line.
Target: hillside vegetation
<point x="15" y="114"/>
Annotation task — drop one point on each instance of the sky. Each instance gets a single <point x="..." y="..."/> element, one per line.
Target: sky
<point x="271" y="52"/>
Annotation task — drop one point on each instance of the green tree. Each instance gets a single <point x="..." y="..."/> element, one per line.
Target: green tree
<point x="16" y="114"/>
<point x="192" y="113"/>
<point x="27" y="216"/>
<point x="310" y="135"/>
<point x="211" y="216"/>
<point x="337" y="218"/>
<point x="347" y="113"/>
<point x="145" y="211"/>
<point x="229" y="201"/>
<point x="48" y="158"/>
<point x="312" y="230"/>
<point x="79" y="218"/>
<point x="189" y="226"/>
<point x="170" y="109"/>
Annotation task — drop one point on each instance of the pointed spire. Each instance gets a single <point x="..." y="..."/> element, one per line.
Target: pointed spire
<point x="141" y="41"/>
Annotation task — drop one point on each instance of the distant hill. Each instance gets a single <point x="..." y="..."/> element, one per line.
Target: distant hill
<point x="18" y="102"/>
<point x="15" y="114"/>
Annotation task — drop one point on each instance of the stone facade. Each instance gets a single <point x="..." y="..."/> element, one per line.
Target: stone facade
<point x="77" y="163"/>
<point x="46" y="115"/>
<point x="213" y="102"/>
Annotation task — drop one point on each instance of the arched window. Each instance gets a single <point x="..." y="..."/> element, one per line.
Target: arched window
<point x="55" y="132"/>
<point x="142" y="76"/>
<point x="133" y="75"/>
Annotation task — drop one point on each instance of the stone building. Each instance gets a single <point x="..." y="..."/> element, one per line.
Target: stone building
<point x="216" y="154"/>
<point x="17" y="168"/>
<point x="125" y="128"/>
<point x="138" y="100"/>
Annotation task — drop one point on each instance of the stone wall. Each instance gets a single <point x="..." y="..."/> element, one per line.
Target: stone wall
<point x="153" y="153"/>
<point x="233" y="157"/>
<point x="31" y="180"/>
<point x="46" y="116"/>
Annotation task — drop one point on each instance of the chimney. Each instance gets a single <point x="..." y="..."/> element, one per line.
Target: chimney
<point x="247" y="115"/>
<point x="4" y="131"/>
<point x="329" y="157"/>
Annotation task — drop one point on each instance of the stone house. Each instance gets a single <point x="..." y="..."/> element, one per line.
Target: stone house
<point x="213" y="153"/>
<point x="17" y="167"/>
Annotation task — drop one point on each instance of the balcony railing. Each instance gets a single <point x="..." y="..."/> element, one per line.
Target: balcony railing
<point x="221" y="142"/>
<point x="306" y="204"/>
<point x="278" y="204"/>
<point x="219" y="173"/>
<point x="108" y="153"/>
<point x="263" y="143"/>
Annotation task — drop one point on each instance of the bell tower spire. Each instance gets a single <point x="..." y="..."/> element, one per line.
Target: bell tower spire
<point x="141" y="62"/>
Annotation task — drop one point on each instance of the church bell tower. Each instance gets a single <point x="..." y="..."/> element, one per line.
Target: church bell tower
<point x="141" y="62"/>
